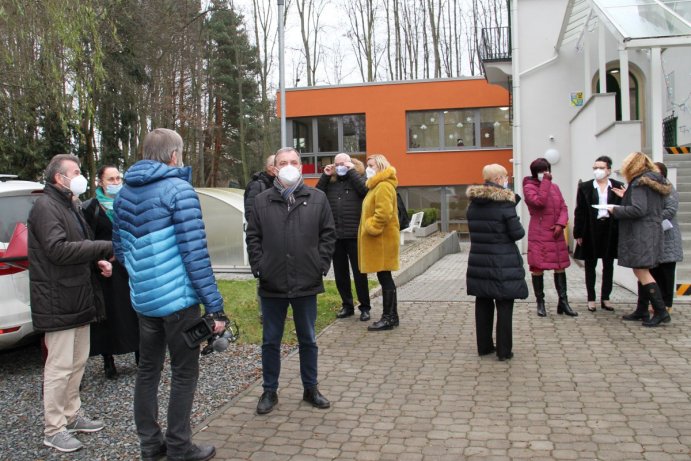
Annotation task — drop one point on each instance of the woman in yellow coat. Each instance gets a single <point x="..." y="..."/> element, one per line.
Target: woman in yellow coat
<point x="379" y="235"/>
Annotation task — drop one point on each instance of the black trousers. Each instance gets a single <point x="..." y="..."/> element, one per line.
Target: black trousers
<point x="346" y="251"/>
<point x="484" y="320"/>
<point x="664" y="276"/>
<point x="155" y="335"/>
<point x="386" y="280"/>
<point x="607" y="274"/>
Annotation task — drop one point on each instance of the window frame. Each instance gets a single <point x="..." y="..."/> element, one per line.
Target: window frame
<point x="440" y="114"/>
<point x="315" y="153"/>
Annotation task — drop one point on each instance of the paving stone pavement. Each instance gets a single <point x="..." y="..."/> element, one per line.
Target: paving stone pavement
<point x="586" y="388"/>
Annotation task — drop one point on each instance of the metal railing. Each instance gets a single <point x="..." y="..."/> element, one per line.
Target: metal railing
<point x="495" y="44"/>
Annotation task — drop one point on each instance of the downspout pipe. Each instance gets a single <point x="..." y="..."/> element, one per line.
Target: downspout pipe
<point x="516" y="92"/>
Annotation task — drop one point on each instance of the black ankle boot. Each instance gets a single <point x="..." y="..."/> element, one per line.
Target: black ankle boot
<point x="563" y="306"/>
<point x="386" y="322"/>
<point x="539" y="289"/>
<point x="315" y="398"/>
<point x="109" y="367"/>
<point x="661" y="315"/>
<point x="641" y="312"/>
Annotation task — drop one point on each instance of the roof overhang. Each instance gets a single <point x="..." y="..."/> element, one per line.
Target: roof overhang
<point x="635" y="23"/>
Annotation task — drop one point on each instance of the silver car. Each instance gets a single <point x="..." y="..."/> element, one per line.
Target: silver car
<point x="16" y="199"/>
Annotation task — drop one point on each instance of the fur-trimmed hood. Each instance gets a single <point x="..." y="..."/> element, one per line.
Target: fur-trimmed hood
<point x="654" y="181"/>
<point x="387" y="175"/>
<point x="358" y="166"/>
<point x="489" y="191"/>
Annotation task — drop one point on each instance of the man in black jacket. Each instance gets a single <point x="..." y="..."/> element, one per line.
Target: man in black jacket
<point x="290" y="239"/>
<point x="63" y="258"/>
<point x="260" y="181"/>
<point x="344" y="186"/>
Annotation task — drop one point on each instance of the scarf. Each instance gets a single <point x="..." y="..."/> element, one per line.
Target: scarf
<point x="106" y="202"/>
<point x="288" y="193"/>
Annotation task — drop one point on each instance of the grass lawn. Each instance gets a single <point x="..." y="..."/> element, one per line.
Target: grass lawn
<point x="241" y="306"/>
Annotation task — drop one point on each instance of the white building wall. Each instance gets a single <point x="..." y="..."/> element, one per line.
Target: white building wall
<point x="676" y="66"/>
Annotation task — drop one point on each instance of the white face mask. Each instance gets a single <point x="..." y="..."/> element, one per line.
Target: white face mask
<point x="599" y="173"/>
<point x="369" y="172"/>
<point x="341" y="170"/>
<point x="113" y="189"/>
<point x="78" y="184"/>
<point x="540" y="176"/>
<point x="506" y="184"/>
<point x="289" y="175"/>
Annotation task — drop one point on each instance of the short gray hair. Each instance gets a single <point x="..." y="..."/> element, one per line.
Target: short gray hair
<point x="491" y="171"/>
<point x="56" y="165"/>
<point x="284" y="150"/>
<point x="160" y="144"/>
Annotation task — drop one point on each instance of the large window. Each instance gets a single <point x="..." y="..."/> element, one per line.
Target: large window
<point x="319" y="139"/>
<point x="459" y="129"/>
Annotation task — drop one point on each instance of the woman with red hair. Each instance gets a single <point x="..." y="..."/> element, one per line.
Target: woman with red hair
<point x="546" y="244"/>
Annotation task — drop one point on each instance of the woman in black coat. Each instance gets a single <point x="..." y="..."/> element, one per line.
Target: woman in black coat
<point x="595" y="232"/>
<point x="495" y="275"/>
<point x="640" y="232"/>
<point x="119" y="332"/>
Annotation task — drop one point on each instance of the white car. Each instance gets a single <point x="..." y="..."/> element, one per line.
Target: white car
<point x="16" y="199"/>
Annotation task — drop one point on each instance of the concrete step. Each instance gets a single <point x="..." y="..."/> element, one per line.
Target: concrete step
<point x="685" y="197"/>
<point x="684" y="208"/>
<point x="686" y="245"/>
<point x="685" y="228"/>
<point x="683" y="186"/>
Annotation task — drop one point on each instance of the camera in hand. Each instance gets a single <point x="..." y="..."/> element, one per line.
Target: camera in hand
<point x="203" y="330"/>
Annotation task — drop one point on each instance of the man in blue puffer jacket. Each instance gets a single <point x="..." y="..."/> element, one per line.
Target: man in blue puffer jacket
<point x="159" y="236"/>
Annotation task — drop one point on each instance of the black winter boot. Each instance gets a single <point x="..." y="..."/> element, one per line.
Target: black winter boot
<point x="563" y="306"/>
<point x="386" y="321"/>
<point x="641" y="312"/>
<point x="539" y="289"/>
<point x="394" y="309"/>
<point x="661" y="315"/>
<point x="109" y="367"/>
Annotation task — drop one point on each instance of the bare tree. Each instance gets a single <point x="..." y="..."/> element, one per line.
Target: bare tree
<point x="362" y="17"/>
<point x="310" y="13"/>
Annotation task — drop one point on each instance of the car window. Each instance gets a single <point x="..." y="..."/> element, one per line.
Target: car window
<point x="13" y="210"/>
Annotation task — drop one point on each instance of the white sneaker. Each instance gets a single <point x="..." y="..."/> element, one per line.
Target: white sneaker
<point x="63" y="441"/>
<point x="84" y="424"/>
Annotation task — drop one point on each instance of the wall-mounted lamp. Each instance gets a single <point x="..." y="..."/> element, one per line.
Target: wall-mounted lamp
<point x="552" y="156"/>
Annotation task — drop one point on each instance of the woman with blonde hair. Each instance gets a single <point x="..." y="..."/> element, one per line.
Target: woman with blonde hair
<point x="495" y="266"/>
<point x="640" y="232"/>
<point x="379" y="235"/>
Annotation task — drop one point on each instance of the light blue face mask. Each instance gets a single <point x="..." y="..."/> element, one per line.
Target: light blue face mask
<point x="341" y="170"/>
<point x="113" y="189"/>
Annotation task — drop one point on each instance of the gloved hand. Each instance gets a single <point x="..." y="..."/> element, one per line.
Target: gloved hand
<point x="558" y="231"/>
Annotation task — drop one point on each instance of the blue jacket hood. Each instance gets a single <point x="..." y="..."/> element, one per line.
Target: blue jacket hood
<point x="149" y="171"/>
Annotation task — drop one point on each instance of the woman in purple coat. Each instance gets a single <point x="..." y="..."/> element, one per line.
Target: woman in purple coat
<point x="546" y="244"/>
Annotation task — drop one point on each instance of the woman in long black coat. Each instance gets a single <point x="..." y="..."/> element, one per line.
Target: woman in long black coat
<point x="119" y="332"/>
<point x="640" y="232"/>
<point x="596" y="233"/>
<point x="495" y="275"/>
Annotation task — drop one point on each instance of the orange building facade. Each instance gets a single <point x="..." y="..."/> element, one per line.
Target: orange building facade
<point x="438" y="134"/>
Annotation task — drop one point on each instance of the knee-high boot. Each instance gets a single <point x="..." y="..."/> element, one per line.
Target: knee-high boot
<point x="641" y="312"/>
<point x="539" y="289"/>
<point x="661" y="315"/>
<point x="394" y="309"/>
<point x="386" y="322"/>
<point x="563" y="306"/>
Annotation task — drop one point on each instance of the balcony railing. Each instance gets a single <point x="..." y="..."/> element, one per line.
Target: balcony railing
<point x="495" y="44"/>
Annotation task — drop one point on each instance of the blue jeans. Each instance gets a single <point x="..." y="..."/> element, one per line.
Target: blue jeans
<point x="304" y="316"/>
<point x="155" y="333"/>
